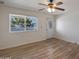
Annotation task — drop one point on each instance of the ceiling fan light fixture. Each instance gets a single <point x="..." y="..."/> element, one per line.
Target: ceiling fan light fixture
<point x="50" y="10"/>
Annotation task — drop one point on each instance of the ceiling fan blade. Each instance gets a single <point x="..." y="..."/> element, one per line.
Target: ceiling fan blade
<point x="60" y="8"/>
<point x="41" y="9"/>
<point x="42" y="4"/>
<point x="59" y="3"/>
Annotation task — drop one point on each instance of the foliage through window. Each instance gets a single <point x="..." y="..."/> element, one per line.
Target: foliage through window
<point x="20" y="23"/>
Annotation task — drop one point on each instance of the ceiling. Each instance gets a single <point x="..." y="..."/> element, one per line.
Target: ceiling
<point x="33" y="4"/>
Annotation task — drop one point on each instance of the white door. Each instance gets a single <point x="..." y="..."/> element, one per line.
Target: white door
<point x="50" y="28"/>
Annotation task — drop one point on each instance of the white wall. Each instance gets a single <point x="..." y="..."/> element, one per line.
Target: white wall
<point x="8" y="39"/>
<point x="67" y="26"/>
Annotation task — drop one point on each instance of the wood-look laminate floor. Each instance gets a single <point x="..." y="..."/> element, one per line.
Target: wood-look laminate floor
<point x="47" y="49"/>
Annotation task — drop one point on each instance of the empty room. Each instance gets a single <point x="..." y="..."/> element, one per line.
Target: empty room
<point x="39" y="29"/>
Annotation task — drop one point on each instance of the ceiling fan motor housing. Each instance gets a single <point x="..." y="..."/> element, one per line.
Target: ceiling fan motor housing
<point x="51" y="1"/>
<point x="50" y="5"/>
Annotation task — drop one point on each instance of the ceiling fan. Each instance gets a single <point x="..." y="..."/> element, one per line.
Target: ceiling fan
<point x="52" y="6"/>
